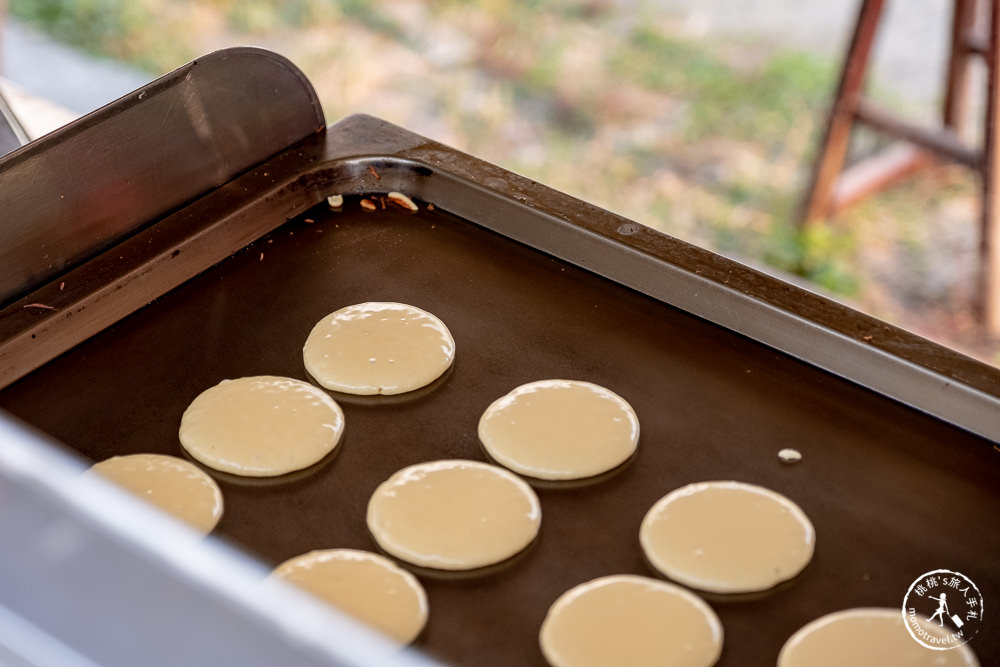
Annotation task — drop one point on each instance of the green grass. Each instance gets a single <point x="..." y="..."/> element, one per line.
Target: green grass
<point x="756" y="103"/>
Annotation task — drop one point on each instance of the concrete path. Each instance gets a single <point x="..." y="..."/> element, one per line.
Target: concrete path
<point x="39" y="65"/>
<point x="48" y="84"/>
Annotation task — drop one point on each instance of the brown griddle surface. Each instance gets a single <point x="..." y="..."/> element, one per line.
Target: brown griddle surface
<point x="892" y="493"/>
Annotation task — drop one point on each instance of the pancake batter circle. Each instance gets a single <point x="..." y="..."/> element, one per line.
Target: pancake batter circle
<point x="630" y="620"/>
<point x="868" y="637"/>
<point x="559" y="430"/>
<point x="367" y="586"/>
<point x="261" y="426"/>
<point x="454" y="515"/>
<point x="174" y="485"/>
<point x="378" y="348"/>
<point x="727" y="537"/>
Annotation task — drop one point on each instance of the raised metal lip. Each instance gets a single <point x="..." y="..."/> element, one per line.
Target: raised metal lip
<point x="155" y="87"/>
<point x="81" y="189"/>
<point x="817" y="330"/>
<point x="829" y="335"/>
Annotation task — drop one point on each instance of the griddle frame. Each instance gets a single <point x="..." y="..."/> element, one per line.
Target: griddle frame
<point x="343" y="160"/>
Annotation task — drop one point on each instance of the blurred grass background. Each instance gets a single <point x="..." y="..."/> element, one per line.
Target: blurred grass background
<point x="611" y="101"/>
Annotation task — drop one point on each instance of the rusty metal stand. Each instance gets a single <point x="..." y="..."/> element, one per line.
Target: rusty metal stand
<point x="833" y="188"/>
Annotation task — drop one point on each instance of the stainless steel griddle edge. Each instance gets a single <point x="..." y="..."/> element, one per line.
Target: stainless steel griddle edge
<point x="862" y="349"/>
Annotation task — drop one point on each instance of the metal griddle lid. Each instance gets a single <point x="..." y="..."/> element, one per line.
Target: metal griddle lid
<point x="85" y="186"/>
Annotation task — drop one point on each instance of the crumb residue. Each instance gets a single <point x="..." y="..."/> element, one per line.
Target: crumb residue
<point x="789" y="455"/>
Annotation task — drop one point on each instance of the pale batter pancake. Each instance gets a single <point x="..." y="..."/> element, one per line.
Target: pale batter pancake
<point x="261" y="426"/>
<point x="369" y="587"/>
<point x="727" y="537"/>
<point x="378" y="348"/>
<point x="559" y="429"/>
<point x="176" y="486"/>
<point x="867" y="638"/>
<point x="630" y="620"/>
<point x="453" y="515"/>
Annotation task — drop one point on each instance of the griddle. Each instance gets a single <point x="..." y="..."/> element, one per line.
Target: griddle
<point x="724" y="366"/>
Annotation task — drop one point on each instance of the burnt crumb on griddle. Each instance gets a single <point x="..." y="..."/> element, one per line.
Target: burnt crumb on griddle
<point x="374" y="173"/>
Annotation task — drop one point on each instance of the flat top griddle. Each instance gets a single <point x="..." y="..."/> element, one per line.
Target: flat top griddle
<point x="892" y="492"/>
<point x="533" y="285"/>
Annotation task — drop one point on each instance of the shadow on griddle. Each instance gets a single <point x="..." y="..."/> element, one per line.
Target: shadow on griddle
<point x="564" y="484"/>
<point x="456" y="575"/>
<point x="713" y="597"/>
<point x="287" y="478"/>
<point x="384" y="400"/>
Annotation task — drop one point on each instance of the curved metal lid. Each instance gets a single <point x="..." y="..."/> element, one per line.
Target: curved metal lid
<point x="85" y="186"/>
